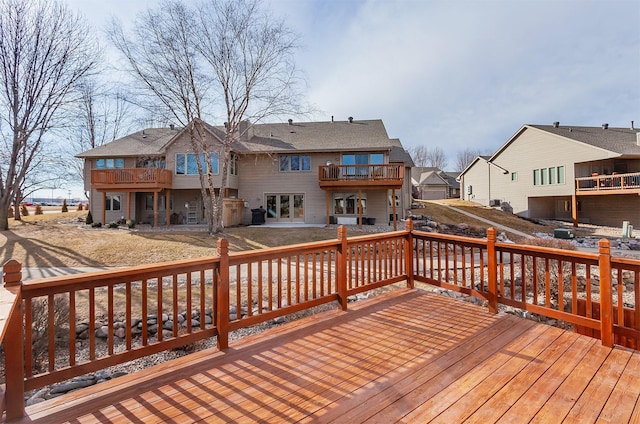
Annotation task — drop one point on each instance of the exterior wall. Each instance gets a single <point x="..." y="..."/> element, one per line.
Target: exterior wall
<point x="610" y="210"/>
<point x="476" y="177"/>
<point x="181" y="182"/>
<point x="259" y="175"/>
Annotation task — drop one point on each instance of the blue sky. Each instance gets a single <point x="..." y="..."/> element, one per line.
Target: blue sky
<point x="458" y="73"/>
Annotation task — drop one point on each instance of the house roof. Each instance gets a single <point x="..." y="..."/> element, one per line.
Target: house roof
<point x="622" y="141"/>
<point x="331" y="136"/>
<point x="316" y="137"/>
<point x="148" y="142"/>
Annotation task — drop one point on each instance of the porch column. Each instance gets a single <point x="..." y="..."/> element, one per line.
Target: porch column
<point x="155" y="208"/>
<point x="326" y="201"/>
<point x="393" y="202"/>
<point x="128" y="205"/>
<point x="104" y="207"/>
<point x="360" y="208"/>
<point x="574" y="209"/>
<point x="167" y="206"/>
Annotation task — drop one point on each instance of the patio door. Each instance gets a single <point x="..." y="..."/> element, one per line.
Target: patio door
<point x="285" y="207"/>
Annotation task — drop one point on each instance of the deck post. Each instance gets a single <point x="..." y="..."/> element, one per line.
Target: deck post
<point x="492" y="272"/>
<point x="222" y="307"/>
<point x="606" y="307"/>
<point x="574" y="209"/>
<point x="14" y="344"/>
<point x="342" y="266"/>
<point x="408" y="252"/>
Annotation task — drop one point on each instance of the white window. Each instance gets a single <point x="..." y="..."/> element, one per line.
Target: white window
<point x="187" y="163"/>
<point x="113" y="203"/>
<point x="295" y="163"/>
<point x="514" y="176"/>
<point x="110" y="163"/>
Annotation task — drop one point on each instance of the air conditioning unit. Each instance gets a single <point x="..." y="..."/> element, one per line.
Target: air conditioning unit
<point x="469" y="189"/>
<point x="494" y="202"/>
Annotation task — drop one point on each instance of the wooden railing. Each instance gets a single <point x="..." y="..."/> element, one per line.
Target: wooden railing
<point x="130" y="177"/>
<point x="117" y="315"/>
<point x="391" y="175"/>
<point x="605" y="184"/>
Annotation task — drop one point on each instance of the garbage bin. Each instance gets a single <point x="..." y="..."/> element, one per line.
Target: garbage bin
<point x="257" y="216"/>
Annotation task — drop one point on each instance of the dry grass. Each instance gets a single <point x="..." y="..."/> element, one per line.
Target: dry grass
<point x="60" y="240"/>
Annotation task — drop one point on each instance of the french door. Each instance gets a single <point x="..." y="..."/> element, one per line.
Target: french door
<point x="285" y="207"/>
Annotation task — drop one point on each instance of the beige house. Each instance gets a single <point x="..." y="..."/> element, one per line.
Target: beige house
<point x="431" y="183"/>
<point x="583" y="174"/>
<point x="308" y="172"/>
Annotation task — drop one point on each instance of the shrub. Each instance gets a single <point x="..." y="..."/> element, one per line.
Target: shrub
<point x="64" y="206"/>
<point x="555" y="272"/>
<point x="113" y="225"/>
<point x="24" y="211"/>
<point x="79" y="206"/>
<point x="131" y="223"/>
<point x="89" y="219"/>
<point x="96" y="224"/>
<point x="86" y="206"/>
<point x="40" y="328"/>
<point x="38" y="210"/>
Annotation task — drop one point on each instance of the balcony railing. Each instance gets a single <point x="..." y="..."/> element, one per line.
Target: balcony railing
<point x="130" y="178"/>
<point x="384" y="176"/>
<point x="609" y="184"/>
<point x="229" y="291"/>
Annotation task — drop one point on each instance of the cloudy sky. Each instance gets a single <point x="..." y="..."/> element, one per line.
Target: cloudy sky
<point x="456" y="73"/>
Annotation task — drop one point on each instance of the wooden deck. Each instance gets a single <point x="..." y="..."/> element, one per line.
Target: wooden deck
<point x="407" y="356"/>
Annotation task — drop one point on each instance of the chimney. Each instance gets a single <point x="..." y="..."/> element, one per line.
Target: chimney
<point x="351" y="119"/>
<point x="332" y="119"/>
<point x="556" y="124"/>
<point x="632" y="127"/>
<point x="245" y="130"/>
<point x="605" y="126"/>
<point x="290" y="121"/>
<point x="172" y="127"/>
<point x="143" y="134"/>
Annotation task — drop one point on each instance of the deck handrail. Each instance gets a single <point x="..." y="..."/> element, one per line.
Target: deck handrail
<point x="131" y="176"/>
<point x="605" y="183"/>
<point x="381" y="172"/>
<point x="268" y="283"/>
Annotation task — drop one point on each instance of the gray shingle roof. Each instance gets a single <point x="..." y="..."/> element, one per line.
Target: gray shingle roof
<point x="316" y="137"/>
<point x="332" y="136"/>
<point x="149" y="142"/>
<point x="619" y="140"/>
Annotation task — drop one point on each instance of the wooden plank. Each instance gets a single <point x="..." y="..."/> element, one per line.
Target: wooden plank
<point x="588" y="406"/>
<point x="453" y="406"/>
<point x="530" y="402"/>
<point x="404" y="394"/>
<point x="626" y="394"/>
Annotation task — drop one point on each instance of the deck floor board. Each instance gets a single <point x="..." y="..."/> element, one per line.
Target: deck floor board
<point x="406" y="356"/>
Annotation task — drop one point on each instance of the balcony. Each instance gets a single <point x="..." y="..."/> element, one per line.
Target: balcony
<point x="130" y="179"/>
<point x="388" y="176"/>
<point x="609" y="184"/>
<point x="407" y="355"/>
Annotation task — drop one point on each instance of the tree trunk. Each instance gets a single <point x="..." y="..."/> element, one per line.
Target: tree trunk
<point x="17" y="215"/>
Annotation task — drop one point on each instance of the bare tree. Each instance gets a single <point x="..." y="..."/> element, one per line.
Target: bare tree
<point x="436" y="158"/>
<point x="44" y="51"/>
<point x="251" y="56"/>
<point x="419" y="155"/>
<point x="465" y="157"/>
<point x="227" y="56"/>
<point x="101" y="115"/>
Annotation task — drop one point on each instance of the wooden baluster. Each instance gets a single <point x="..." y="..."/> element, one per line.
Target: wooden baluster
<point x="606" y="308"/>
<point x="341" y="267"/>
<point x="408" y="253"/>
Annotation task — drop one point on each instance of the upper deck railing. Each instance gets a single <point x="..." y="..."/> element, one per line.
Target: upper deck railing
<point x="608" y="184"/>
<point x="389" y="175"/>
<point x="130" y="178"/>
<point x="119" y="315"/>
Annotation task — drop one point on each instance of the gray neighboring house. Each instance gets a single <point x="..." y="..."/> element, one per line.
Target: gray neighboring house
<point x="564" y="172"/>
<point x="431" y="183"/>
<point x="344" y="172"/>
